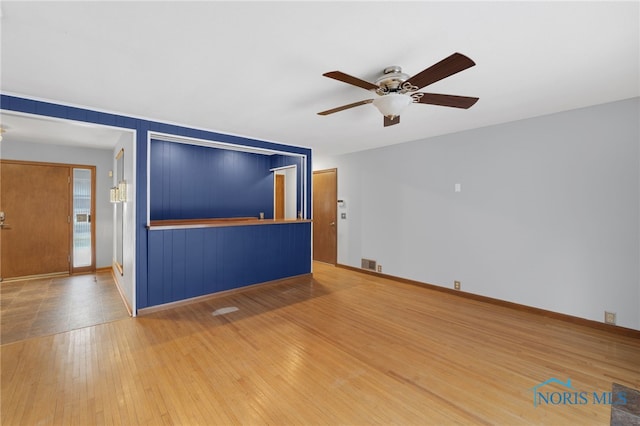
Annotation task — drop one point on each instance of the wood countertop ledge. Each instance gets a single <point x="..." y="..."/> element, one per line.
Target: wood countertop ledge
<point x="218" y="222"/>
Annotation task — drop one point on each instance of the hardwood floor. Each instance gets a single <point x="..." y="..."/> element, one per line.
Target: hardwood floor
<point x="341" y="348"/>
<point x="38" y="307"/>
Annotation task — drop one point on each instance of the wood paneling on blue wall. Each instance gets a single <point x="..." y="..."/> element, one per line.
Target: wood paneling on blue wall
<point x="186" y="263"/>
<point x="194" y="182"/>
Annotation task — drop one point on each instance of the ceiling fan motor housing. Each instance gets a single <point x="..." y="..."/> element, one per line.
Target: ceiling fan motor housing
<point x="391" y="80"/>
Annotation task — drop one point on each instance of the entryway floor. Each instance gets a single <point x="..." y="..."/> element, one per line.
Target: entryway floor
<point x="43" y="306"/>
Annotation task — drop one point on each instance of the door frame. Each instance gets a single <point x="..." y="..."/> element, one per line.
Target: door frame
<point x="291" y="185"/>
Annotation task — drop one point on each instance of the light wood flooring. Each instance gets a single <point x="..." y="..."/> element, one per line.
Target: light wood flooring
<point x="42" y="306"/>
<point x="341" y="348"/>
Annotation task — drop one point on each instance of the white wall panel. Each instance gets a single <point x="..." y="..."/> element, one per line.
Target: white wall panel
<point x="548" y="214"/>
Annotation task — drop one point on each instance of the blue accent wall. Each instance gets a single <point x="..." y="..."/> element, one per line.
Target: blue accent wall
<point x="146" y="286"/>
<point x="196" y="262"/>
<point x="194" y="182"/>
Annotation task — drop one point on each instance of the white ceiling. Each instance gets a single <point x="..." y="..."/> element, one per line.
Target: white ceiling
<point x="255" y="68"/>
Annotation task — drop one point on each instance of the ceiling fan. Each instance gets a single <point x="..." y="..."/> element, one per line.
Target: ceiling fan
<point x="396" y="90"/>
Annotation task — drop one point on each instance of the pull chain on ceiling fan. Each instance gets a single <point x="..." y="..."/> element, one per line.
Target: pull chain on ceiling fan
<point x="396" y="90"/>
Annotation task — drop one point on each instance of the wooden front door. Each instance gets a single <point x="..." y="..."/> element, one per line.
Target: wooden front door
<point x="35" y="237"/>
<point x="325" y="203"/>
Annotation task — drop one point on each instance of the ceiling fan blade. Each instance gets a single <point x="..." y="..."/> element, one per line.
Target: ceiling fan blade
<point x="445" y="68"/>
<point x="349" y="79"/>
<point x="343" y="107"/>
<point x="447" y="100"/>
<point x="391" y="121"/>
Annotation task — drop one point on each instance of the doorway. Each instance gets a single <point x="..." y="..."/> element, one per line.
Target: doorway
<point x="325" y="203"/>
<point x="285" y="198"/>
<point x="41" y="212"/>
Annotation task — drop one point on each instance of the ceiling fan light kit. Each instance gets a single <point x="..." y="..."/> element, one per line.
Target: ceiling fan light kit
<point x="396" y="90"/>
<point x="391" y="105"/>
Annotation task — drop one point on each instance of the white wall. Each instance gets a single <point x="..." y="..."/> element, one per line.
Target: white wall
<point x="548" y="215"/>
<point x="101" y="158"/>
<point x="291" y="192"/>
<point x="126" y="281"/>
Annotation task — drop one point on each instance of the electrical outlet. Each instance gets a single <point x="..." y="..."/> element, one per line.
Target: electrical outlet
<point x="456" y="285"/>
<point x="609" y="317"/>
<point x="379" y="268"/>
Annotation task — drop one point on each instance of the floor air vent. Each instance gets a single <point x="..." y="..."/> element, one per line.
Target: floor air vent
<point x="223" y="311"/>
<point x="368" y="264"/>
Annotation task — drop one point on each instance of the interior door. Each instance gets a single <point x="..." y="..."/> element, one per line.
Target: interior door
<point x="35" y="235"/>
<point x="279" y="214"/>
<point x="325" y="204"/>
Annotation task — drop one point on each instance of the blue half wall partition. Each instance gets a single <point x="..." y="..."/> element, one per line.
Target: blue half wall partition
<point x="188" y="263"/>
<point x="195" y="262"/>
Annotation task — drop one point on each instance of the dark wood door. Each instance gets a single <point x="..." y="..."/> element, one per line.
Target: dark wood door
<point x="35" y="199"/>
<point x="325" y="203"/>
